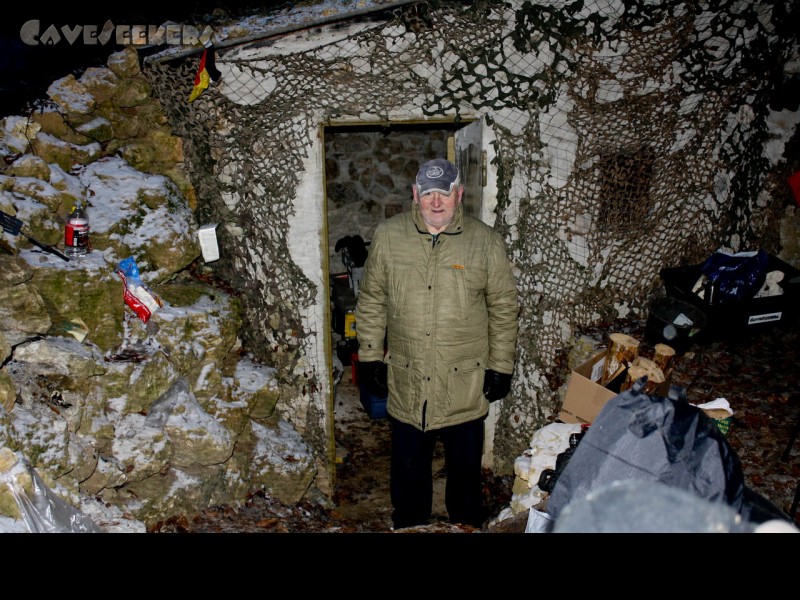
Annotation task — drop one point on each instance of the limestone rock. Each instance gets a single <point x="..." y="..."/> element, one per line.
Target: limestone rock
<point x="61" y="356"/>
<point x="155" y="153"/>
<point x="57" y="383"/>
<point x="139" y="154"/>
<point x="8" y="435"/>
<point x="18" y="132"/>
<point x="98" y="129"/>
<point x="5" y="348"/>
<point x="50" y="120"/>
<point x="81" y="290"/>
<point x="110" y="518"/>
<point x="29" y="165"/>
<point x="100" y="82"/>
<point x="150" y="419"/>
<point x="69" y="185"/>
<point x="41" y="192"/>
<point x="178" y="175"/>
<point x="65" y="154"/>
<point x="12" y="470"/>
<point x="8" y="393"/>
<point x="136" y="376"/>
<point x="13" y="271"/>
<point x="23" y="314"/>
<point x="72" y="96"/>
<point x="108" y="474"/>
<point x="141" y="215"/>
<point x="256" y="385"/>
<point x="54" y="122"/>
<point x="175" y="491"/>
<point x="125" y="126"/>
<point x="82" y="459"/>
<point x="131" y="92"/>
<point x="195" y="436"/>
<point x="125" y="63"/>
<point x="43" y="436"/>
<point x="140" y="450"/>
<point x="281" y="462"/>
<point x="197" y="329"/>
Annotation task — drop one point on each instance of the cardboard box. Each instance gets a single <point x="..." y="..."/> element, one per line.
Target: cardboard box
<point x="585" y="397"/>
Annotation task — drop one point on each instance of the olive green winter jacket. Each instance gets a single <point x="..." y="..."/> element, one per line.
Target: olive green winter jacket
<point x="448" y="311"/>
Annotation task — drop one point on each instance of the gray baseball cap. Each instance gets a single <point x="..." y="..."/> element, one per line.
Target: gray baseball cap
<point x="437" y="175"/>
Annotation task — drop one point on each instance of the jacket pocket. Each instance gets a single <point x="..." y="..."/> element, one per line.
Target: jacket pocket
<point x="470" y="287"/>
<point x="465" y="384"/>
<point x="402" y="386"/>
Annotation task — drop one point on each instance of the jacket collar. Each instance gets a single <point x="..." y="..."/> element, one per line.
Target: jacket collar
<point x="455" y="227"/>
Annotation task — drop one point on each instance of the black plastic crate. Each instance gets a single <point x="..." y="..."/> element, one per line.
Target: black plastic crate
<point x="737" y="319"/>
<point x="674" y="322"/>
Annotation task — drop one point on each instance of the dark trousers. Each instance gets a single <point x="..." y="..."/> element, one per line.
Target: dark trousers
<point x="411" y="484"/>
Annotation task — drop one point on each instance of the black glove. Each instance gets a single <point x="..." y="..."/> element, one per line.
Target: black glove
<point x="496" y="385"/>
<point x="373" y="377"/>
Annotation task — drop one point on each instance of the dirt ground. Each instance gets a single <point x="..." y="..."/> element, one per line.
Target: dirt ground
<point x="756" y="373"/>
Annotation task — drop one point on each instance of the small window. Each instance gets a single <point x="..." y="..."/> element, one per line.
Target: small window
<point x="624" y="192"/>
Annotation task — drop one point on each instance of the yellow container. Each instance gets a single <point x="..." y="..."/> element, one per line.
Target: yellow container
<point x="349" y="324"/>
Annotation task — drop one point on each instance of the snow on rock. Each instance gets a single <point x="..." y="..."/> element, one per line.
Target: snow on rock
<point x="282" y="461"/>
<point x="197" y="437"/>
<point x="140" y="214"/>
<point x="17" y="135"/>
<point x="71" y="95"/>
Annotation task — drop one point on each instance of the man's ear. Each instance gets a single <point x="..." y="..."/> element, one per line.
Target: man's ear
<point x="460" y="194"/>
<point x="415" y="193"/>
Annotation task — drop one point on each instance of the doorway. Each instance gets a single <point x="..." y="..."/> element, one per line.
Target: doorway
<point x="369" y="169"/>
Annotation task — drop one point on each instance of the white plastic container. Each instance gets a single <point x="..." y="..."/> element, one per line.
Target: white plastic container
<point x="208" y="242"/>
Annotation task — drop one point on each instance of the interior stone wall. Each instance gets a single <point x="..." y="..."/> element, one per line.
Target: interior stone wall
<point x="368" y="176"/>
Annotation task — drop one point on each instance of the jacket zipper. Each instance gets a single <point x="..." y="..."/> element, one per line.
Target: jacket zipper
<point x="434" y="240"/>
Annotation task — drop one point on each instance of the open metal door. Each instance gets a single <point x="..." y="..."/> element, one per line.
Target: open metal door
<point x="470" y="158"/>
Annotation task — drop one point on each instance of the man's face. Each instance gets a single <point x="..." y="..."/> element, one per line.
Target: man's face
<point x="438" y="210"/>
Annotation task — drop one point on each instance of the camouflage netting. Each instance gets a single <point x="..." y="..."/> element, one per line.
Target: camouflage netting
<point x="629" y="136"/>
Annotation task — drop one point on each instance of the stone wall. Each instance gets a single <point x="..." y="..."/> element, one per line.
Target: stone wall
<point x="368" y="177"/>
<point x="131" y="417"/>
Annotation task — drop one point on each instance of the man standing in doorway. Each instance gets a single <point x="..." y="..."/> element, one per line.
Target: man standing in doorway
<point x="439" y="297"/>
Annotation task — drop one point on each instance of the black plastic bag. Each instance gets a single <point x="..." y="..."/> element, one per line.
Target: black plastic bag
<point x="735" y="277"/>
<point x="665" y="440"/>
<point x="355" y="249"/>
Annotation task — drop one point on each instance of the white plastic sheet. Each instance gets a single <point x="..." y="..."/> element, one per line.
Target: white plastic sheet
<point x="43" y="511"/>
